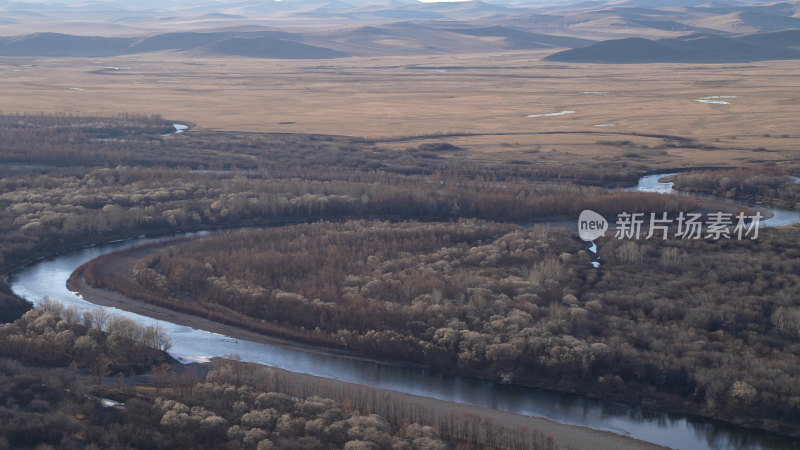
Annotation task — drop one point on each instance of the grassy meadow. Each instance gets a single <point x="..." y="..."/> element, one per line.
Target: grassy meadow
<point x="480" y="102"/>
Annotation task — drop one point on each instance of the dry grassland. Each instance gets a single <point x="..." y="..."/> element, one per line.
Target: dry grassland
<point x="484" y="98"/>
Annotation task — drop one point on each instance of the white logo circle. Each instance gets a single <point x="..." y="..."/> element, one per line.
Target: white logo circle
<point x="591" y="225"/>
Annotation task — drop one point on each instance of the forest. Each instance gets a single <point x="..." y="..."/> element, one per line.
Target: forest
<point x="94" y="401"/>
<point x="766" y="184"/>
<point x="516" y="305"/>
<point x="425" y="256"/>
<point x="48" y="141"/>
<point x="49" y="204"/>
<point x="72" y="181"/>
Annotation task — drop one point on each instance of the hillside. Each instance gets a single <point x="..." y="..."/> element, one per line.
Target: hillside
<point x="694" y="48"/>
<point x="266" y="44"/>
<point x="384" y="28"/>
<point x="267" y="47"/>
<point x="402" y="38"/>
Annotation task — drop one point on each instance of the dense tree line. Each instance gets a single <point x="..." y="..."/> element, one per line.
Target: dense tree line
<point x="715" y="332"/>
<point x="65" y="141"/>
<point x="238" y="405"/>
<point x="11" y="306"/>
<point x="770" y="185"/>
<point x="72" y="140"/>
<point x="53" y="335"/>
<point x="54" y="211"/>
<point x="717" y="324"/>
<point x="50" y="211"/>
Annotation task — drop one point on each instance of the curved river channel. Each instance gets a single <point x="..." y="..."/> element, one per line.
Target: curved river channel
<point x="47" y="279"/>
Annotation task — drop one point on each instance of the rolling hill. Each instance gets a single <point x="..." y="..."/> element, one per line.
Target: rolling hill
<point x="694" y="48"/>
<point x="266" y="44"/>
<point x="269" y="47"/>
<point x="625" y="31"/>
<point x="56" y="44"/>
<point x="522" y="39"/>
<point x="399" y="38"/>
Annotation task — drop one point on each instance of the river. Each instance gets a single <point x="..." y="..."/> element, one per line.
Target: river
<point x="47" y="279"/>
<point x="780" y="217"/>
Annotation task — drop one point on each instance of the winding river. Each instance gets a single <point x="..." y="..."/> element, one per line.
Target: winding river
<point x="47" y="279"/>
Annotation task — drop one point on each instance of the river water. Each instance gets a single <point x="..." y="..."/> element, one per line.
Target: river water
<point x="47" y="279"/>
<point x="179" y="128"/>
<point x="781" y="217"/>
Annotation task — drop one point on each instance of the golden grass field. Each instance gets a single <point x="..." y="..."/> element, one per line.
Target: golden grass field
<point x="490" y="95"/>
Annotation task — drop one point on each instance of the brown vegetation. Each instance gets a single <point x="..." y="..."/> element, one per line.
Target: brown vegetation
<point x="770" y="185"/>
<point x="47" y="208"/>
<point x="485" y="98"/>
<point x="74" y="140"/>
<point x="519" y="306"/>
<point x="238" y="405"/>
<point x="483" y="299"/>
<point x="444" y="146"/>
<point x="53" y="208"/>
<point x="716" y="322"/>
<point x="49" y="141"/>
<point x="53" y="335"/>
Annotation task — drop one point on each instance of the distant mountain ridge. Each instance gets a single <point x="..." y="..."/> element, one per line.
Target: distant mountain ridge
<point x="617" y="31"/>
<point x="522" y="39"/>
<point x="374" y="27"/>
<point x="57" y="44"/>
<point x="694" y="48"/>
<point x="266" y="44"/>
<point x="388" y="39"/>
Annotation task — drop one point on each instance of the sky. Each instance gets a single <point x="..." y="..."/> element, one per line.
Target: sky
<point x="167" y="4"/>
